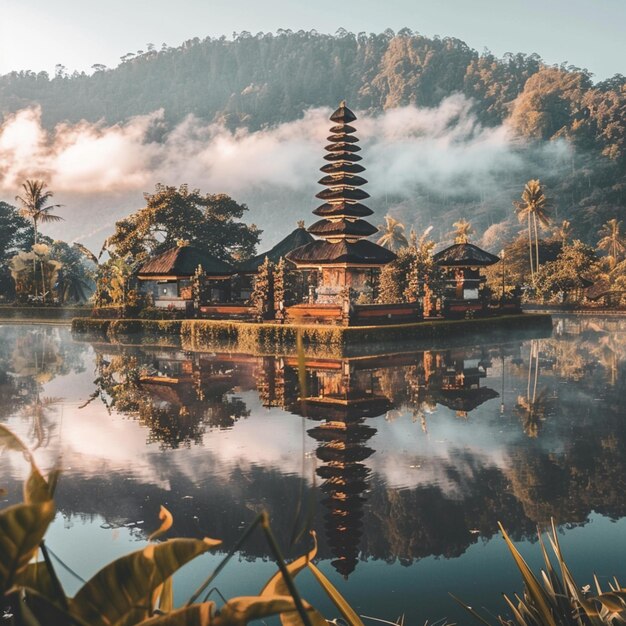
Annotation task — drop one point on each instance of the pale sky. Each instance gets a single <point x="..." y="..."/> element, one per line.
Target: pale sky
<point x="38" y="34"/>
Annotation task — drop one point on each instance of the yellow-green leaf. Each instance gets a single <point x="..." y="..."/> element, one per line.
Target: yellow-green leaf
<point x="194" y="615"/>
<point x="10" y="441"/>
<point x="37" y="577"/>
<point x="611" y="601"/>
<point x="22" y="527"/>
<point x="339" y="601"/>
<point x="126" y="584"/>
<point x="37" y="488"/>
<point x="166" y="603"/>
<point x="276" y="586"/>
<point x="167" y="520"/>
<point x="532" y="584"/>
<point x="244" y="609"/>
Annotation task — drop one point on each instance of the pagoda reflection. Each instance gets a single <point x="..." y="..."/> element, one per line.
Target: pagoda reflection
<point x="341" y="395"/>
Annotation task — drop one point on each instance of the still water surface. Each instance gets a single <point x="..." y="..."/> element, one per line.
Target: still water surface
<point x="402" y="463"/>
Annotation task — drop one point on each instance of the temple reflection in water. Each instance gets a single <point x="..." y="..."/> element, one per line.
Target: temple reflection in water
<point x="178" y="395"/>
<point x="403" y="462"/>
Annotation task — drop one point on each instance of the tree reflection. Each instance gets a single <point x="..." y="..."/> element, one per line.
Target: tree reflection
<point x="175" y="395"/>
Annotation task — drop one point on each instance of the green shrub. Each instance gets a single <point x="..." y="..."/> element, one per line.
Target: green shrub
<point x="90" y="326"/>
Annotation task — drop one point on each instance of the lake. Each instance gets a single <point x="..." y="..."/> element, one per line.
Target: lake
<point x="402" y="463"/>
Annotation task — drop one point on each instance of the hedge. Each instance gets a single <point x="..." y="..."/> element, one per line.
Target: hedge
<point x="251" y="338"/>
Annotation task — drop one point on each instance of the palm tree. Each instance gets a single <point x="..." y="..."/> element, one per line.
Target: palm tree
<point x="533" y="208"/>
<point x="35" y="207"/>
<point x="393" y="236"/>
<point x="563" y="232"/>
<point x="612" y="242"/>
<point x="462" y="231"/>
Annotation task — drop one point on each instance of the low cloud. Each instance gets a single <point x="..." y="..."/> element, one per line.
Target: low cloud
<point x="439" y="150"/>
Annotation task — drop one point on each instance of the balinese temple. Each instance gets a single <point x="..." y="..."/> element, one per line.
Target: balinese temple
<point x="295" y="239"/>
<point x="248" y="269"/>
<point x="168" y="276"/>
<point x="343" y="256"/>
<point x="462" y="263"/>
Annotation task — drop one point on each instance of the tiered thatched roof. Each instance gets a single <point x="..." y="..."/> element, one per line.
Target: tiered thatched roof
<point x="341" y="228"/>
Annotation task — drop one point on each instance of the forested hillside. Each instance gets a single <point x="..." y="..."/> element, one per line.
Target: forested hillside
<point x="259" y="81"/>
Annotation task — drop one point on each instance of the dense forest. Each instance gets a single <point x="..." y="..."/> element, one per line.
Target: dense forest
<point x="258" y="81"/>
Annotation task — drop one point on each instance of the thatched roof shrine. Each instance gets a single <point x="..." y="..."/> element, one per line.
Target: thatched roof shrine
<point x="295" y="239"/>
<point x="464" y="255"/>
<point x="183" y="261"/>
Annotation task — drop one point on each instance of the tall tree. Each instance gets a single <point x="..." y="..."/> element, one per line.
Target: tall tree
<point x="393" y="236"/>
<point x="534" y="209"/>
<point x="209" y="221"/>
<point x="34" y="204"/>
<point x="612" y="241"/>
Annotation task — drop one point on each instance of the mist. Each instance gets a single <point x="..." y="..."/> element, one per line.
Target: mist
<point x="423" y="165"/>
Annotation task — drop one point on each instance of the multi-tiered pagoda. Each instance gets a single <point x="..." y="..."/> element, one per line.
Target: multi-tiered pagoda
<point x="343" y="255"/>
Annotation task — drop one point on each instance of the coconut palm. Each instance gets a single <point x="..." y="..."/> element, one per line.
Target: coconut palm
<point x="613" y="241"/>
<point x="534" y="209"/>
<point x="563" y="232"/>
<point x="462" y="231"/>
<point x="35" y="207"/>
<point x="393" y="236"/>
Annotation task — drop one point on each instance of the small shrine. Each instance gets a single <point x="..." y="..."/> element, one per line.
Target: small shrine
<point x="167" y="277"/>
<point x="462" y="263"/>
<point x="345" y="260"/>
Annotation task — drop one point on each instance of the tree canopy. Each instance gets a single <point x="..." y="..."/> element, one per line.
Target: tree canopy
<point x="171" y="215"/>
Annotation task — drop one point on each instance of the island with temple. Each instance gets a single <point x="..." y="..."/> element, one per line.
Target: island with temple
<point x="330" y="283"/>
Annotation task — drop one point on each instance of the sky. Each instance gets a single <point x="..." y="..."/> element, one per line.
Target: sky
<point x="38" y="34"/>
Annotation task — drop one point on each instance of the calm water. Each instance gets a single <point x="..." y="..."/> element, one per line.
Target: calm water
<point x="403" y="463"/>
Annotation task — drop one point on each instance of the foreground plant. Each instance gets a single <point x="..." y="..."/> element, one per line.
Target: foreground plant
<point x="136" y="588"/>
<point x="554" y="599"/>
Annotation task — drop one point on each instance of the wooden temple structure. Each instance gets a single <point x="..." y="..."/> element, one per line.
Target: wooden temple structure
<point x="462" y="264"/>
<point x="337" y="265"/>
<point x="167" y="277"/>
<point x="345" y="260"/>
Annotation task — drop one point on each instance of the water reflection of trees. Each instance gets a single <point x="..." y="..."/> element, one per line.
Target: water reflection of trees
<point x="29" y="359"/>
<point x="175" y="395"/>
<point x="573" y="463"/>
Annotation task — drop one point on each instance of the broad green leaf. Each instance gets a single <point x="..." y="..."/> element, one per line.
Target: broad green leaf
<point x="276" y="586"/>
<point x="339" y="601"/>
<point x="163" y="596"/>
<point x="10" y="441"/>
<point x="126" y="584"/>
<point x="37" y="577"/>
<point x="611" y="601"/>
<point x="167" y="520"/>
<point x="37" y="488"/>
<point x="194" y="615"/>
<point x="535" y="590"/>
<point x="166" y="601"/>
<point x="48" y="613"/>
<point x="22" y="527"/>
<point x="244" y="609"/>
